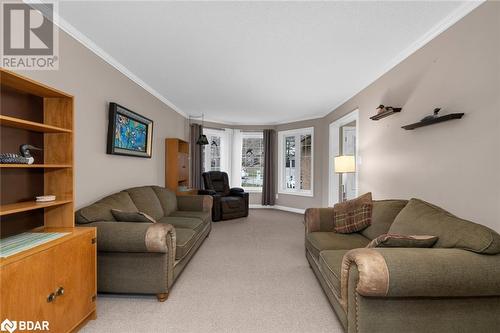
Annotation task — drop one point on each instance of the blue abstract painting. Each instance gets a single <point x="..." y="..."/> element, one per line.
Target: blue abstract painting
<point x="130" y="134"/>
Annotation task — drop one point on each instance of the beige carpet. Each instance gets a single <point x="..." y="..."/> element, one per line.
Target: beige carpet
<point x="250" y="275"/>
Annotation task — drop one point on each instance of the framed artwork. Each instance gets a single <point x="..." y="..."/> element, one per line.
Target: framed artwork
<point x="129" y="133"/>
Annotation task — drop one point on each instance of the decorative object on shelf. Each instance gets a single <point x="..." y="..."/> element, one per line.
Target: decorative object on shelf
<point x="129" y="133"/>
<point x="384" y="111"/>
<point x="344" y="164"/>
<point x="433" y="119"/>
<point x="45" y="198"/>
<point x="24" y="158"/>
<point x="434" y="115"/>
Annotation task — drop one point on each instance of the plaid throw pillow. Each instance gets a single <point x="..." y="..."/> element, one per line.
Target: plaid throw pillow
<point x="395" y="240"/>
<point x="353" y="215"/>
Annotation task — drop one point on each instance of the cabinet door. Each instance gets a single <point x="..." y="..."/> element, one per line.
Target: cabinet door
<point x="75" y="273"/>
<point x="25" y="286"/>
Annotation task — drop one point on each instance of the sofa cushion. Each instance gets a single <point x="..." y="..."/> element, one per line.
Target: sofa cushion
<point x="330" y="263"/>
<point x="146" y="200"/>
<point x="123" y="216"/>
<point x="184" y="222"/>
<point x="167" y="198"/>
<point x="393" y="240"/>
<point x="184" y="240"/>
<point x="205" y="216"/>
<point x="383" y="214"/>
<point x="101" y="210"/>
<point x="353" y="215"/>
<point x="329" y="240"/>
<point x="422" y="218"/>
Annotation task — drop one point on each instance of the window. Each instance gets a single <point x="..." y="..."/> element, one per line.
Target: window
<point x="213" y="152"/>
<point x="296" y="161"/>
<point x="252" y="160"/>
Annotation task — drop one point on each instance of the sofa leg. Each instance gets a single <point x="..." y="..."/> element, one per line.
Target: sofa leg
<point x="162" y="297"/>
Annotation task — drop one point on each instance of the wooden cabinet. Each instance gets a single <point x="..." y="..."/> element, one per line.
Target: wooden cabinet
<point x="65" y="271"/>
<point x="177" y="166"/>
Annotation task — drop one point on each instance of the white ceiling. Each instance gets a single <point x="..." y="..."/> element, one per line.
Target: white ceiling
<point x="256" y="62"/>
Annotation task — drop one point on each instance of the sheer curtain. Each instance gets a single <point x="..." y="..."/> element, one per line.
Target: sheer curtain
<point x="269" y="185"/>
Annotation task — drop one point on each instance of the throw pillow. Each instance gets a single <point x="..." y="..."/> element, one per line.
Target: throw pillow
<point x="123" y="216"/>
<point x="353" y="215"/>
<point x="394" y="240"/>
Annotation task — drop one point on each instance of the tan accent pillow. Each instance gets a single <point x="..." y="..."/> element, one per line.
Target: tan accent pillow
<point x="353" y="215"/>
<point x="394" y="240"/>
<point x="122" y="216"/>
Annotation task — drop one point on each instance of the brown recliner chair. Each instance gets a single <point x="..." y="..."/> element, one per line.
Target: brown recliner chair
<point x="229" y="203"/>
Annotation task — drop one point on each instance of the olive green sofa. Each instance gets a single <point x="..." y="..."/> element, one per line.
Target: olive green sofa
<point x="452" y="287"/>
<point x="146" y="258"/>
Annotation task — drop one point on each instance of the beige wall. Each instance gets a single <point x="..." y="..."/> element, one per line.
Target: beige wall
<point x="455" y="164"/>
<point x="94" y="83"/>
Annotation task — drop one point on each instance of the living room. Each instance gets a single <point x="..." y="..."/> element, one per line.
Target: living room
<point x="242" y="166"/>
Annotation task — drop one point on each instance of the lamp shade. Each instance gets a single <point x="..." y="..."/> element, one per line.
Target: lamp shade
<point x="202" y="140"/>
<point x="345" y="163"/>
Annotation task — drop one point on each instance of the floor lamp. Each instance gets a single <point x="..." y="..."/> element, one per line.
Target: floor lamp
<point x="344" y="164"/>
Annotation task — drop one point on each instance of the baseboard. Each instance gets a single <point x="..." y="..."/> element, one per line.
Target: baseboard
<point x="278" y="207"/>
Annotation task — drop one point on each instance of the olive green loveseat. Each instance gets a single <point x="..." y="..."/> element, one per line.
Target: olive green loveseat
<point x="145" y="257"/>
<point x="452" y="287"/>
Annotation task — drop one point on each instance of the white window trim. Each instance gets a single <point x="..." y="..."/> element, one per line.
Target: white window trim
<point x="243" y="136"/>
<point x="281" y="165"/>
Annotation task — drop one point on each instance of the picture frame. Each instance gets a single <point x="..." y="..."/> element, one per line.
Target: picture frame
<point x="129" y="133"/>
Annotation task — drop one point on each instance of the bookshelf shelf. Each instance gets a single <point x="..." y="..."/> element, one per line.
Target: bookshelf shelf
<point x="35" y="166"/>
<point x="31" y="125"/>
<point x="25" y="206"/>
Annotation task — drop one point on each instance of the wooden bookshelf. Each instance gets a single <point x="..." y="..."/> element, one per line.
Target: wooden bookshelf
<point x="33" y="113"/>
<point x="177" y="166"/>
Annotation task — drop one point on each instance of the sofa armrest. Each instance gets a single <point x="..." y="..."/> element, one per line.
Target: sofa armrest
<point x="236" y="190"/>
<point x="237" y="193"/>
<point x="318" y="219"/>
<point x="196" y="203"/>
<point x="135" y="237"/>
<point x="417" y="272"/>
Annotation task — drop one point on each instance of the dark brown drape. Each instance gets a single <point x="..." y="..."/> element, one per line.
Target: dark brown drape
<point x="269" y="186"/>
<point x="196" y="156"/>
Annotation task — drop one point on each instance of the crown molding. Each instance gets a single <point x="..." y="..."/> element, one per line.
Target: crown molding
<point x="435" y="31"/>
<point x="89" y="44"/>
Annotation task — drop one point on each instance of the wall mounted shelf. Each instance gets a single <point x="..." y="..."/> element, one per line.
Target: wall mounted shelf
<point x="385" y="113"/>
<point x="436" y="120"/>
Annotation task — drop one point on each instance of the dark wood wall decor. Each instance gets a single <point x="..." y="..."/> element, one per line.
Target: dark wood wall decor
<point x="387" y="111"/>
<point x="435" y="120"/>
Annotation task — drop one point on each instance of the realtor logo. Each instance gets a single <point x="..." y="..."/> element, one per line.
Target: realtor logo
<point x="29" y="36"/>
<point x="8" y="325"/>
<point x="23" y="325"/>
